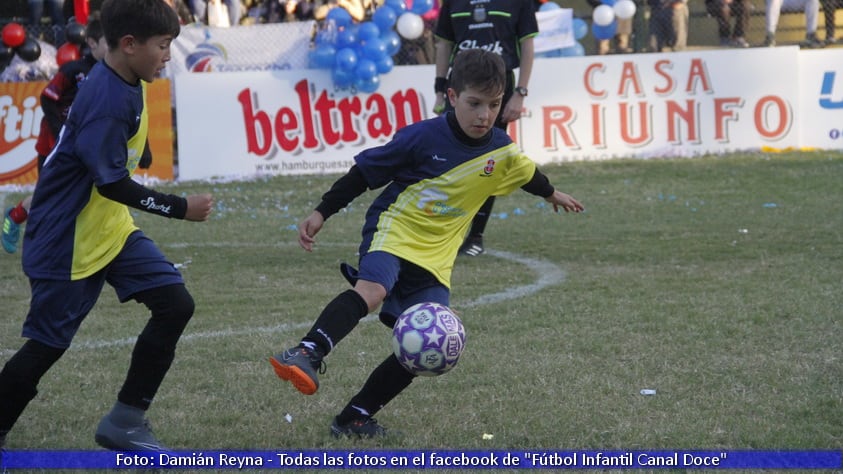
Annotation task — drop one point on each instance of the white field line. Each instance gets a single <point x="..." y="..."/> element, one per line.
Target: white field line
<point x="547" y="274"/>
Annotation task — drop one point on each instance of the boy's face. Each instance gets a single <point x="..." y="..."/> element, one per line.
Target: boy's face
<point x="475" y="110"/>
<point x="150" y="57"/>
<point x="98" y="48"/>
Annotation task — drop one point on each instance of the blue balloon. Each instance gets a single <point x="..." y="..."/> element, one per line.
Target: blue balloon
<point x="323" y="56"/>
<point x="421" y="6"/>
<point x="347" y="38"/>
<point x="366" y="69"/>
<point x="385" y="65"/>
<point x="339" y="15"/>
<point x="392" y="42"/>
<point x="374" y="49"/>
<point x="611" y="3"/>
<point x="346" y="59"/>
<point x="576" y="50"/>
<point x="368" y="30"/>
<point x="580" y="28"/>
<point x="368" y="85"/>
<point x="553" y="53"/>
<point x="548" y="6"/>
<point x="342" y="78"/>
<point x="385" y="17"/>
<point x="398" y="5"/>
<point x="604" y="32"/>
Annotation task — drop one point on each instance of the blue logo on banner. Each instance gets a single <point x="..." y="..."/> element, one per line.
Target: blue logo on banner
<point x="826" y="101"/>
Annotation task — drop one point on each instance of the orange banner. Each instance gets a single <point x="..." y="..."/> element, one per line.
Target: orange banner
<point x="20" y="122"/>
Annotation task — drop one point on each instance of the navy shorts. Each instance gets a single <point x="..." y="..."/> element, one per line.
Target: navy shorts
<point x="58" y="307"/>
<point x="406" y="283"/>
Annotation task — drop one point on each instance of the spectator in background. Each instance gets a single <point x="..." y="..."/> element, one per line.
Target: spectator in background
<point x="36" y="11"/>
<point x="812" y="12"/>
<point x="200" y="9"/>
<point x="723" y="11"/>
<point x="621" y="38"/>
<point x="830" y="11"/>
<point x="668" y="25"/>
<point x="182" y="10"/>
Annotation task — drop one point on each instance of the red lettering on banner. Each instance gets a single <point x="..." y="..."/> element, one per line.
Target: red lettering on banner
<point x="772" y="104"/>
<point x="588" y="80"/>
<point x="698" y="74"/>
<point x="558" y="119"/>
<point x="629" y="77"/>
<point x="644" y="125"/>
<point x="689" y="115"/>
<point x="659" y="69"/>
<point x="325" y="121"/>
<point x="598" y="136"/>
<point x="724" y="112"/>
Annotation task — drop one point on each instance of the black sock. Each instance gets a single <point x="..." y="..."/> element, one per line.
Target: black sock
<point x="338" y="318"/>
<point x="171" y="307"/>
<point x="385" y="383"/>
<point x="478" y="224"/>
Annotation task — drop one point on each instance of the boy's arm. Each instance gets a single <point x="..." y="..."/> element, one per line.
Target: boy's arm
<point x="340" y="195"/>
<point x="540" y="186"/>
<point x="343" y="191"/>
<point x="128" y="192"/>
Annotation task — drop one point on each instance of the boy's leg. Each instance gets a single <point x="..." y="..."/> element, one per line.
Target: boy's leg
<point x="388" y="380"/>
<point x="12" y="219"/>
<point x="19" y="380"/>
<point x="299" y="365"/>
<point x="416" y="285"/>
<point x="141" y="272"/>
<point x="473" y="245"/>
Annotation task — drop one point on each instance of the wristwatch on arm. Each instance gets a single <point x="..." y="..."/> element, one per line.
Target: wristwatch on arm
<point x="522" y="91"/>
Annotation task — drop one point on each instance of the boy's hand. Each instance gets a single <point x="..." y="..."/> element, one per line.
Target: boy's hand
<point x="198" y="207"/>
<point x="308" y="229"/>
<point x="566" y="202"/>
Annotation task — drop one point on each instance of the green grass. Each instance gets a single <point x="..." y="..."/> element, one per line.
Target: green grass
<point x="715" y="281"/>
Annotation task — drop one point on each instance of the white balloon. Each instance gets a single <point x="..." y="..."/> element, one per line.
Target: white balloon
<point x="624" y="9"/>
<point x="410" y="25"/>
<point x="603" y="15"/>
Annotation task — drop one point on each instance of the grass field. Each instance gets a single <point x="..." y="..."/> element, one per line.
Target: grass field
<point x="715" y="281"/>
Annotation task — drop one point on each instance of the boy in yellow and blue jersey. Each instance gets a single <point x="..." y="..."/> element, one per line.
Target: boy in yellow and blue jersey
<point x="80" y="234"/>
<point x="437" y="174"/>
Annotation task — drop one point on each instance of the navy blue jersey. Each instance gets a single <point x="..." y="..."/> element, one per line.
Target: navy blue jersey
<point x="435" y="184"/>
<point x="73" y="231"/>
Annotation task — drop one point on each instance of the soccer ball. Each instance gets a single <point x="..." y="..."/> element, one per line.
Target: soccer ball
<point x="428" y="339"/>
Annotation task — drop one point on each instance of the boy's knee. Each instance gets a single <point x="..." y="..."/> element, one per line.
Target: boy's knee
<point x="168" y="302"/>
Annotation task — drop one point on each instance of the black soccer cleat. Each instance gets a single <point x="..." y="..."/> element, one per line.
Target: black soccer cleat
<point x="472" y="247"/>
<point x="361" y="428"/>
<point x="299" y="366"/>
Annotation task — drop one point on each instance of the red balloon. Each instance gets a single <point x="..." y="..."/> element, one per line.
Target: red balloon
<point x="66" y="53"/>
<point x="13" y="35"/>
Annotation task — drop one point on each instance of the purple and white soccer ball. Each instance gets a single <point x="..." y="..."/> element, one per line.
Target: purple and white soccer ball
<point x="428" y="339"/>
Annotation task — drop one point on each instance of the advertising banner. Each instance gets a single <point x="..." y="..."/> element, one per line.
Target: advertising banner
<point x="20" y="122"/>
<point x="821" y="79"/>
<point x="579" y="108"/>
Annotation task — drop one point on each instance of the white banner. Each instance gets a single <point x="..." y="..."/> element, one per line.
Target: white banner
<point x="273" y="46"/>
<point x="556" y="29"/>
<point x="579" y="108"/>
<point x="821" y="85"/>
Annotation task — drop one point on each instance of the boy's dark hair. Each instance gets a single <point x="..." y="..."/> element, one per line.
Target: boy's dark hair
<point x="479" y="69"/>
<point x="142" y="19"/>
<point x="94" y="29"/>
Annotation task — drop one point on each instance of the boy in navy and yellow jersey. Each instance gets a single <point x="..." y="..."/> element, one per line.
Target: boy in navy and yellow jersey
<point x="437" y="173"/>
<point x="56" y="99"/>
<point x="81" y="235"/>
